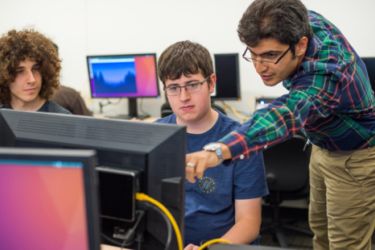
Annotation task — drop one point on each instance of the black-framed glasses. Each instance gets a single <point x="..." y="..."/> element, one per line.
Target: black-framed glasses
<point x="191" y="87"/>
<point x="268" y="57"/>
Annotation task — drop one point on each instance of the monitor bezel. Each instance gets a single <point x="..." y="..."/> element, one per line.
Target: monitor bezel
<point x="238" y="83"/>
<point x="88" y="160"/>
<point x="370" y="60"/>
<point x="88" y="57"/>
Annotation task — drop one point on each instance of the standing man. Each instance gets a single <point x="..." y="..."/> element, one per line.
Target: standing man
<point x="29" y="72"/>
<point x="227" y="201"/>
<point x="330" y="100"/>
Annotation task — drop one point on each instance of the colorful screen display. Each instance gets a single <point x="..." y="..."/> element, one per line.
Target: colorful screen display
<point x="123" y="76"/>
<point x="42" y="205"/>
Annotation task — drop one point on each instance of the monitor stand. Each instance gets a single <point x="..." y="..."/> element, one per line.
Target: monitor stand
<point x="132" y="111"/>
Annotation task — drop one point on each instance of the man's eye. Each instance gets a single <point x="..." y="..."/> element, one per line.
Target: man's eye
<point x="192" y="85"/>
<point x="270" y="55"/>
<point x="173" y="88"/>
<point x="36" y="67"/>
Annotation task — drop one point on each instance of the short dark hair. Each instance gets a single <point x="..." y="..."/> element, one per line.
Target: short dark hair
<point x="17" y="46"/>
<point x="284" y="20"/>
<point x="184" y="58"/>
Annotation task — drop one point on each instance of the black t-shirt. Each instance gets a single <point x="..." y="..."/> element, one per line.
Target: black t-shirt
<point x="48" y="106"/>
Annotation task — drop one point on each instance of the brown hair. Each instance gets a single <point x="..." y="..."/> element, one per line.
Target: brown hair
<point x="184" y="58"/>
<point x="17" y="46"/>
<point x="284" y="20"/>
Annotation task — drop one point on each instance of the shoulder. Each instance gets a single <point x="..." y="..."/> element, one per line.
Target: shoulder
<point x="226" y="123"/>
<point x="53" y="107"/>
<point x="168" y="119"/>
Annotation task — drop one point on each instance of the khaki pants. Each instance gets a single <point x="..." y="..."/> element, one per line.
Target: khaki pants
<point x="342" y="198"/>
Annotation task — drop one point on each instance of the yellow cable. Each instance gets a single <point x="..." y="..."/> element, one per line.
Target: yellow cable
<point x="145" y="197"/>
<point x="213" y="241"/>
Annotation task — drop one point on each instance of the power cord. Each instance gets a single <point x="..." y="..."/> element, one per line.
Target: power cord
<point x="146" y="198"/>
<point x="212" y="242"/>
<point x="130" y="233"/>
<point x="167" y="222"/>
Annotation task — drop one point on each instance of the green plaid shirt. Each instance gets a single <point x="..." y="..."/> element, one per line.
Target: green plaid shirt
<point x="330" y="100"/>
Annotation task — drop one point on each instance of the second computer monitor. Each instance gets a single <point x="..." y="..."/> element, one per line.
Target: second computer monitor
<point x="370" y="66"/>
<point x="123" y="76"/>
<point x="228" y="77"/>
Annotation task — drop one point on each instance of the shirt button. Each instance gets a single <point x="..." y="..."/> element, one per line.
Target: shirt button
<point x="242" y="157"/>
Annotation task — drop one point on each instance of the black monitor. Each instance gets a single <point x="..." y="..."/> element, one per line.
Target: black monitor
<point x="370" y="66"/>
<point x="123" y="76"/>
<point x="154" y="152"/>
<point x="48" y="199"/>
<point x="228" y="77"/>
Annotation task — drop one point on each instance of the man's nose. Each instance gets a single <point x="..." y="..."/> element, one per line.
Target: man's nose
<point x="184" y="94"/>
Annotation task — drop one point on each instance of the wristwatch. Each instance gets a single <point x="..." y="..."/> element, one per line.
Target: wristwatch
<point x="216" y="148"/>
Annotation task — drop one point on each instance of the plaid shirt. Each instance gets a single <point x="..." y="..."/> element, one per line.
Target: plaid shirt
<point x="330" y="100"/>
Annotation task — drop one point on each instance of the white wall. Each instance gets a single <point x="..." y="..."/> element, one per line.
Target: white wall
<point x="83" y="27"/>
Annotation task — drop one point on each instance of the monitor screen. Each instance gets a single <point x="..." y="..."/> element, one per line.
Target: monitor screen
<point x="155" y="151"/>
<point x="228" y="77"/>
<point x="370" y="66"/>
<point x="48" y="199"/>
<point x="117" y="76"/>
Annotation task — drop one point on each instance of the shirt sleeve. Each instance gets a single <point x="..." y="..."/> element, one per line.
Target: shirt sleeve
<point x="249" y="178"/>
<point x="285" y="116"/>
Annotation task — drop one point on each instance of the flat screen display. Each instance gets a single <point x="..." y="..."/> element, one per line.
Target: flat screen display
<point x="228" y="78"/>
<point x="43" y="204"/>
<point x="370" y="66"/>
<point x="117" y="76"/>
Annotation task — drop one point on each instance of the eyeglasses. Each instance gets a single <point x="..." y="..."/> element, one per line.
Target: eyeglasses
<point x="271" y="57"/>
<point x="191" y="87"/>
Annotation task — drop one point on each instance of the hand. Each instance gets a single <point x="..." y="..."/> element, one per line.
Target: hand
<point x="198" y="162"/>
<point x="191" y="247"/>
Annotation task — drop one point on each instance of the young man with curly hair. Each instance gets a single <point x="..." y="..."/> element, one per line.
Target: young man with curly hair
<point x="29" y="72"/>
<point x="226" y="202"/>
<point x="330" y="100"/>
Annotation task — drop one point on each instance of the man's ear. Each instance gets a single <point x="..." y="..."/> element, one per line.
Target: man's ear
<point x="212" y="83"/>
<point x="301" y="46"/>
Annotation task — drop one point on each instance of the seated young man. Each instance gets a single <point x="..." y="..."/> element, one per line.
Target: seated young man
<point x="226" y="202"/>
<point x="29" y="72"/>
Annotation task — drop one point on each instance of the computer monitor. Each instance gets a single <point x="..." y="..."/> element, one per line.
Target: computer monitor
<point x="228" y="77"/>
<point x="123" y="76"/>
<point x="155" y="151"/>
<point x="370" y="66"/>
<point x="48" y="199"/>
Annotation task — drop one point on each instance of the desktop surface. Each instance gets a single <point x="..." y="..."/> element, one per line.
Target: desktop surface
<point x="244" y="247"/>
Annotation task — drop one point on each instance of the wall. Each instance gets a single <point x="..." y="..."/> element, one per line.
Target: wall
<point x="83" y="27"/>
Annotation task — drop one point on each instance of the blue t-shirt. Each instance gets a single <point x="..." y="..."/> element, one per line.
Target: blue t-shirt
<point x="209" y="203"/>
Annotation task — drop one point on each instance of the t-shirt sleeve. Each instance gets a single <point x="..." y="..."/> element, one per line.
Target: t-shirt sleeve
<point x="249" y="178"/>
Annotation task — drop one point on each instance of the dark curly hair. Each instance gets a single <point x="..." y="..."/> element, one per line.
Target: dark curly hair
<point x="284" y="20"/>
<point x="184" y="58"/>
<point x="17" y="46"/>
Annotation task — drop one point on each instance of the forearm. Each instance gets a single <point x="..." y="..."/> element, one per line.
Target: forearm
<point x="243" y="232"/>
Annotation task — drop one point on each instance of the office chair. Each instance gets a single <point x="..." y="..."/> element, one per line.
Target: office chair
<point x="287" y="173"/>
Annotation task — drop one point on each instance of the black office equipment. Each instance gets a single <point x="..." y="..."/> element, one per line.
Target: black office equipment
<point x="48" y="199"/>
<point x="156" y="151"/>
<point x="370" y="66"/>
<point x="123" y="76"/>
<point x="228" y="77"/>
<point x="287" y="173"/>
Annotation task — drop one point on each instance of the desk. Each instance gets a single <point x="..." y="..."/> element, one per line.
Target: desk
<point x="244" y="247"/>
<point x="108" y="247"/>
<point x="219" y="247"/>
